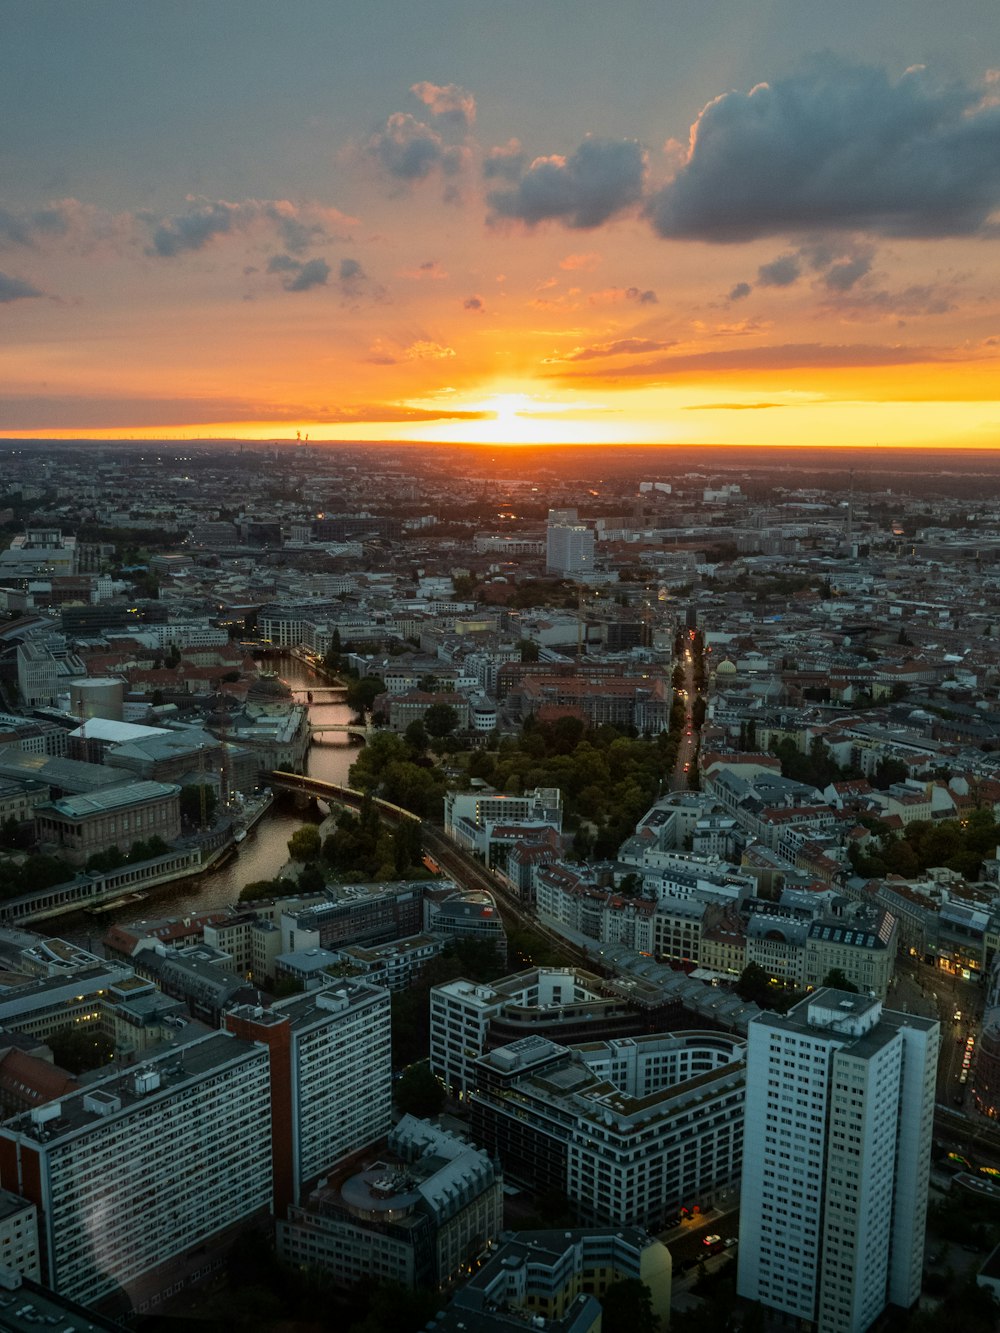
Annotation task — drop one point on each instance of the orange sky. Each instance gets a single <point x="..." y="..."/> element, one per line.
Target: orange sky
<point x="360" y="226"/>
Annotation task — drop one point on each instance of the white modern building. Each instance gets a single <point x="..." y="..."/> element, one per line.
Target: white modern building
<point x="569" y="545"/>
<point x="143" y="1179"/>
<point x="836" y="1162"/>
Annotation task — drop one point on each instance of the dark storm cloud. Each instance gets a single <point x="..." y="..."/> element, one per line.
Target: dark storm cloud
<point x="599" y="180"/>
<point x="740" y="291"/>
<point x="837" y="146"/>
<point x="16" y="289"/>
<point x="643" y="297"/>
<point x="473" y="303"/>
<point x="781" y="272"/>
<point x="409" y="150"/>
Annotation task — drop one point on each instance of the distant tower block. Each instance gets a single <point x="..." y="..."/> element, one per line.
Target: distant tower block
<point x="98" y="696"/>
<point x="569" y="545"/>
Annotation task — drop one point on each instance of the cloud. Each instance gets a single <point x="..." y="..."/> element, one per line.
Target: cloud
<point x="16" y="289"/>
<point x="741" y="290"/>
<point x="841" y="276"/>
<point x="408" y="150"/>
<point x="917" y="299"/>
<point x="475" y="303"/>
<point x="505" y="162"/>
<point x="729" y="407"/>
<point x="574" y="263"/>
<point x="429" y="269"/>
<point x="204" y="220"/>
<point x="781" y="272"/>
<point x="40" y="412"/>
<point x="303" y="274"/>
<point x="424" y="350"/>
<point x="837" y="145"/>
<point x="66" y="223"/>
<point x="786" y="356"/>
<point x="620" y="347"/>
<point x="599" y="180"/>
<point x="614" y="295"/>
<point x="452" y="103"/>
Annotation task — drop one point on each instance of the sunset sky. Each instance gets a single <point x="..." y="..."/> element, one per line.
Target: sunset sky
<point x="733" y="221"/>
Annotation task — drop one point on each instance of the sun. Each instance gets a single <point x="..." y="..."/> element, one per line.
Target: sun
<point x="519" y="419"/>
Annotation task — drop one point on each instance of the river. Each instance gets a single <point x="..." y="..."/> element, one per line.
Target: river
<point x="265" y="849"/>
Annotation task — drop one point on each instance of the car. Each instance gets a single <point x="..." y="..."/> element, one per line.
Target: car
<point x="708" y="1241"/>
<point x="687" y="768"/>
<point x="958" y="1016"/>
<point x="730" y="1241"/>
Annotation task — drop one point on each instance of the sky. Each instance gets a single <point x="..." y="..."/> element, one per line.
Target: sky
<point x="770" y="222"/>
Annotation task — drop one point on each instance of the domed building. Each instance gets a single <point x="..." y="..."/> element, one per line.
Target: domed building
<point x="269" y="723"/>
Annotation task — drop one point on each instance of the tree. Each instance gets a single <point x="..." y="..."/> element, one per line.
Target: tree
<point x="628" y="1308"/>
<point x="80" y="1046"/>
<point x="837" y="981"/>
<point x="311" y="879"/>
<point x="265" y="888"/>
<point x="440" y="720"/>
<point x="361" y="694"/>
<point x="191" y="799"/>
<point x="305" y="844"/>
<point x="415" y="736"/>
<point x="418" y="1092"/>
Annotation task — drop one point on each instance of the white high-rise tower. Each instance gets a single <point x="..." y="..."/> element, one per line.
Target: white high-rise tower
<point x="836" y="1159"/>
<point x="569" y="545"/>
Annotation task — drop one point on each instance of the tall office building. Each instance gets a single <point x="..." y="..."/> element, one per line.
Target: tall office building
<point x="569" y="545"/>
<point x="836" y="1159"/>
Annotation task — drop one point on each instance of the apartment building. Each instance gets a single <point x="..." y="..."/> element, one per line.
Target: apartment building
<point x="629" y="1129"/>
<point x="331" y="1078"/>
<point x="836" y="1163"/>
<point x="143" y="1179"/>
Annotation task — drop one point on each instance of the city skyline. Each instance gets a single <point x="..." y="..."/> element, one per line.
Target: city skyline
<point x="533" y="224"/>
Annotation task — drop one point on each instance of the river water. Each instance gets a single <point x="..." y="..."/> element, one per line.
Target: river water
<point x="265" y="849"/>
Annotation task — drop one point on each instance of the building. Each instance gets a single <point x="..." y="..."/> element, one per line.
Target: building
<point x="19" y="1235"/>
<point x="143" y="1179"/>
<point x="77" y="827"/>
<point x="836" y="1162"/>
<point x="469" y="914"/>
<point x="553" y="1280"/>
<point x="569" y="545"/>
<point x="463" y="1012"/>
<point x="629" y="1130"/>
<point x="416" y="1210"/>
<point x="331" y="1078"/>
